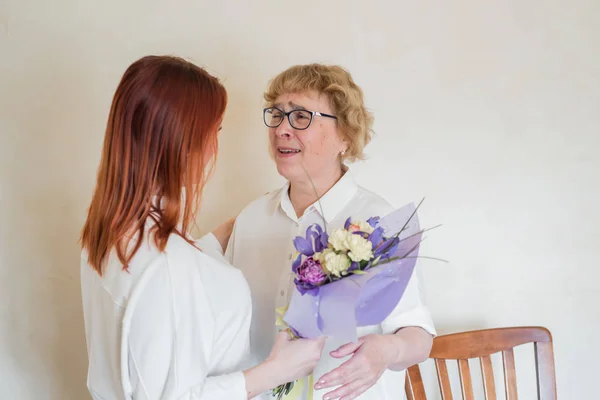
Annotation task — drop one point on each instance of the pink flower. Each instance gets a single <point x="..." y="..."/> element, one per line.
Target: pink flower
<point x="354" y="228"/>
<point x="311" y="272"/>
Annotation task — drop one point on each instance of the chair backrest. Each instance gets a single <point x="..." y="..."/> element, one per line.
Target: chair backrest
<point x="482" y="344"/>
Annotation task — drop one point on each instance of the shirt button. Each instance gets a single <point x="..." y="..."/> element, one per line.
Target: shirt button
<point x="282" y="293"/>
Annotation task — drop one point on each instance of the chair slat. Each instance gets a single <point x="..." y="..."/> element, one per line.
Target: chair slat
<point x="510" y="374"/>
<point x="410" y="395"/>
<point x="487" y="372"/>
<point x="544" y="365"/>
<point x="466" y="384"/>
<point x="415" y="389"/>
<point x="443" y="379"/>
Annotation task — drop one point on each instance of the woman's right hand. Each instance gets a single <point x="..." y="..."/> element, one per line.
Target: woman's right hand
<point x="295" y="358"/>
<point x="290" y="359"/>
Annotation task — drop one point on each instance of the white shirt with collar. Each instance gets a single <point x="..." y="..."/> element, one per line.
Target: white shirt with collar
<point x="261" y="246"/>
<point x="174" y="326"/>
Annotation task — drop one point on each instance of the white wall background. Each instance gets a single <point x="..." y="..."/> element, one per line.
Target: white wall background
<point x="491" y="110"/>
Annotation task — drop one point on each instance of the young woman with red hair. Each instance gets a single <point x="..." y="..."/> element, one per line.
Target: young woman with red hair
<point x="163" y="319"/>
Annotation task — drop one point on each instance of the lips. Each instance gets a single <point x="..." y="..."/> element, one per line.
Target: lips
<point x="288" y="150"/>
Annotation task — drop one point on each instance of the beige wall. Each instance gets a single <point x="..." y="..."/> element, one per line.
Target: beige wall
<point x="489" y="109"/>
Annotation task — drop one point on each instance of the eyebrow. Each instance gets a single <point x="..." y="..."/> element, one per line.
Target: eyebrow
<point x="294" y="106"/>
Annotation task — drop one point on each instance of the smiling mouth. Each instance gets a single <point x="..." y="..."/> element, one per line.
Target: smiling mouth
<point x="288" y="151"/>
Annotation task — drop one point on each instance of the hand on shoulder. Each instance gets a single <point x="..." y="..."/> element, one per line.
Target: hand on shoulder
<point x="223" y="232"/>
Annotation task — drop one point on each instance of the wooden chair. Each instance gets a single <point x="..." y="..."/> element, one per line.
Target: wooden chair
<point x="482" y="344"/>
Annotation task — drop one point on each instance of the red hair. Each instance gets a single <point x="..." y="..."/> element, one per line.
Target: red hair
<point x="159" y="149"/>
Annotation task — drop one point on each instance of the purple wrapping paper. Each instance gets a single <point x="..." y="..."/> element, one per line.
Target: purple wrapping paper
<point x="359" y="300"/>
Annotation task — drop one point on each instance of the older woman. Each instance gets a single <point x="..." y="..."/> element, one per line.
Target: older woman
<point x="317" y="122"/>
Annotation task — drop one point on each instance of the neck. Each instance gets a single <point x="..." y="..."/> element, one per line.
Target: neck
<point x="302" y="192"/>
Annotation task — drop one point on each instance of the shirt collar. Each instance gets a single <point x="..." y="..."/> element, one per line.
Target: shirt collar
<point x="331" y="203"/>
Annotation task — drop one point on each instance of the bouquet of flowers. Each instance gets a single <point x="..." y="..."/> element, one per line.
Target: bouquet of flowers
<point x="353" y="277"/>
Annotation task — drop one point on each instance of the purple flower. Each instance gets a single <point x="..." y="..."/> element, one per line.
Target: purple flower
<point x="304" y="246"/>
<point x="353" y="267"/>
<point x="311" y="272"/>
<point x="296" y="263"/>
<point x="321" y="242"/>
<point x="306" y="288"/>
<point x="348" y="223"/>
<point x="315" y="241"/>
<point x="387" y="248"/>
<point x="376" y="237"/>
<point x="309" y="275"/>
<point x="373" y="221"/>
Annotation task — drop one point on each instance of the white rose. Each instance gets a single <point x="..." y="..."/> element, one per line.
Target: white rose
<point x="321" y="256"/>
<point x="336" y="264"/>
<point x="360" y="248"/>
<point x="339" y="239"/>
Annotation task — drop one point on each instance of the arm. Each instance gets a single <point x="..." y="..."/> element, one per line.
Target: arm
<point x="412" y="326"/>
<point x="218" y="243"/>
<point x="223" y="232"/>
<point x="408" y="346"/>
<point x="406" y="340"/>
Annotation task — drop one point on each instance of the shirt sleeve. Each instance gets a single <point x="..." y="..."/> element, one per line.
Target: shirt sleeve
<point x="211" y="246"/>
<point x="411" y="309"/>
<point x="167" y="352"/>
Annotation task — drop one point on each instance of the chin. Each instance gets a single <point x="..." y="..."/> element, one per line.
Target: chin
<point x="288" y="171"/>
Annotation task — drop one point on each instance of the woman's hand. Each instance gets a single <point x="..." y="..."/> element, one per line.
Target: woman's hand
<point x="371" y="356"/>
<point x="223" y="233"/>
<point x="290" y="359"/>
<point x="295" y="358"/>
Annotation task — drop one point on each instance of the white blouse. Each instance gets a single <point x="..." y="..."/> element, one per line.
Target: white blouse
<point x="261" y="246"/>
<point x="174" y="326"/>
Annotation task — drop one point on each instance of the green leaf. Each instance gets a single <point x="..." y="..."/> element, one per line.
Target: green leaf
<point x="358" y="272"/>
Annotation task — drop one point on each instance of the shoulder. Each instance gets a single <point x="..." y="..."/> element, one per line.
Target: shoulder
<point x="374" y="202"/>
<point x="181" y="252"/>
<point x="119" y="282"/>
<point x="222" y="287"/>
<point x="263" y="203"/>
<point x="260" y="208"/>
<point x="186" y="259"/>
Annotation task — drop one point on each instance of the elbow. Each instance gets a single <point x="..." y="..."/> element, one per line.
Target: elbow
<point x="427" y="344"/>
<point x="417" y="347"/>
<point x="423" y="342"/>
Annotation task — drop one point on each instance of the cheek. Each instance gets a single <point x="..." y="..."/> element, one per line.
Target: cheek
<point x="320" y="150"/>
<point x="314" y="142"/>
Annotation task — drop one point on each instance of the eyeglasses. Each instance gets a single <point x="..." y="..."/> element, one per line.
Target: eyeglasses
<point x="299" y="119"/>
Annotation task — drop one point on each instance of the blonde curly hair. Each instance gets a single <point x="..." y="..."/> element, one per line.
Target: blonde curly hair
<point x="345" y="97"/>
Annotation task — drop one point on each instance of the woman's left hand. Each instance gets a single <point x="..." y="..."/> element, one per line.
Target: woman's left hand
<point x="371" y="356"/>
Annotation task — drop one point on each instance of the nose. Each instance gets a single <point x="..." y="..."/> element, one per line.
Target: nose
<point x="284" y="130"/>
